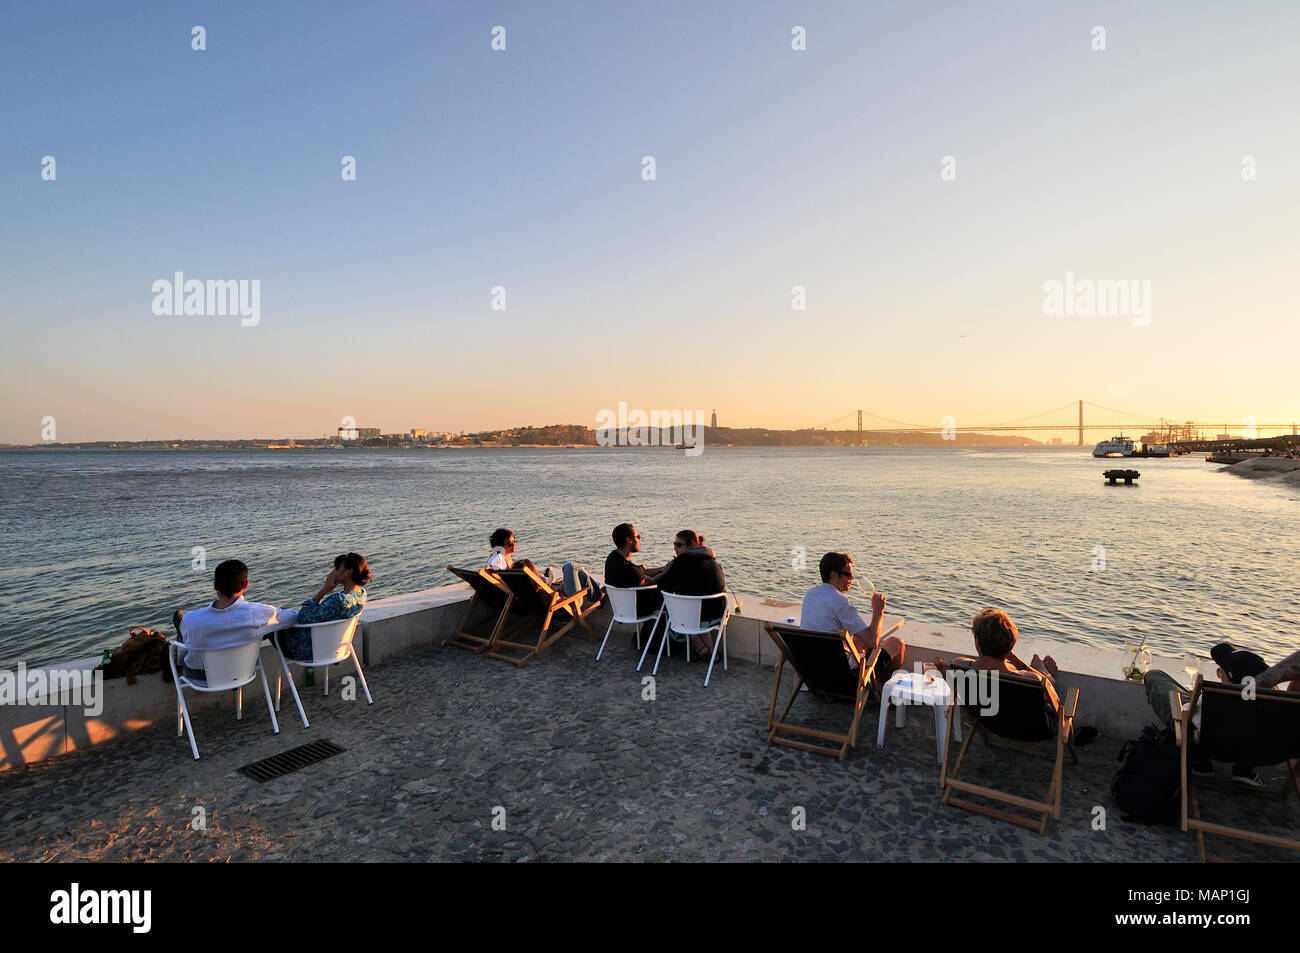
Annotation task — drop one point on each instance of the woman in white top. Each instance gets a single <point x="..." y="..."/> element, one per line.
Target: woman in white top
<point x="502" y="542"/>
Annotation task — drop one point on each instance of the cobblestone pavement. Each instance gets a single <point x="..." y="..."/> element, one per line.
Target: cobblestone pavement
<point x="584" y="769"/>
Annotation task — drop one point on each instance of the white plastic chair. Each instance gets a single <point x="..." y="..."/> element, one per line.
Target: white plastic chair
<point x="684" y="619"/>
<point x="331" y="643"/>
<point x="622" y="602"/>
<point x="226" y="670"/>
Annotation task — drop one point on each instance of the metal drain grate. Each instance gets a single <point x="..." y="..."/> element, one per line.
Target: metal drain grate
<point x="278" y="765"/>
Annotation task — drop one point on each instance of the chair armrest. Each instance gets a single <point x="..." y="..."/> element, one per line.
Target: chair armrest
<point x="1176" y="711"/>
<point x="567" y="601"/>
<point x="1071" y="705"/>
<point x="869" y="667"/>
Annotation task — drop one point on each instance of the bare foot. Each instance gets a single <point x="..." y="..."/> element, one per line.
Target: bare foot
<point x="1047" y="665"/>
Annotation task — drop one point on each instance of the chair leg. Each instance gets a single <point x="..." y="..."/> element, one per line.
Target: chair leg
<point x="859" y="704"/>
<point x="649" y="639"/>
<point x="776" y="690"/>
<point x="266" y="690"/>
<point x="947" y="742"/>
<point x="940" y="730"/>
<point x="714" y="657"/>
<point x="361" y="675"/>
<point x="956" y="769"/>
<point x="189" y="729"/>
<point x="883" y="720"/>
<point x="239" y="704"/>
<point x="655" y="670"/>
<point x="1200" y="834"/>
<point x="327" y="680"/>
<point x="609" y="628"/>
<point x="293" y="689"/>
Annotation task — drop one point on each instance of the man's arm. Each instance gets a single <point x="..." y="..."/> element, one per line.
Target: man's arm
<point x="667" y="577"/>
<point x="269" y="616"/>
<point x="865" y="634"/>
<point x="1288" y="668"/>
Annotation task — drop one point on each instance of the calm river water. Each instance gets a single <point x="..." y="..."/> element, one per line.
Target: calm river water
<point x="99" y="541"/>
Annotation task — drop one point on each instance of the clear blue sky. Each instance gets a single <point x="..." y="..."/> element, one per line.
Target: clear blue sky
<point x="522" y="169"/>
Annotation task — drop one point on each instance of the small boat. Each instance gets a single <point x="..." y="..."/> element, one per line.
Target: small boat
<point x="1120" y="446"/>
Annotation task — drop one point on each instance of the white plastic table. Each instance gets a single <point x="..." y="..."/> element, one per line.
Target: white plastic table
<point x="911" y="688"/>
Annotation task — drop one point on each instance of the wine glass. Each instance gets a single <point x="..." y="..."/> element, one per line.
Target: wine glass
<point x="1192" y="666"/>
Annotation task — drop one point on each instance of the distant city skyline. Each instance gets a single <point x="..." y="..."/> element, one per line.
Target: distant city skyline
<point x="242" y="221"/>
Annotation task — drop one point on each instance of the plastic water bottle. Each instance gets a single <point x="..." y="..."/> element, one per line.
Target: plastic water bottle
<point x="106" y="659"/>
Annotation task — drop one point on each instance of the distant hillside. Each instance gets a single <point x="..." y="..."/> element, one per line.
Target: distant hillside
<point x="565" y="435"/>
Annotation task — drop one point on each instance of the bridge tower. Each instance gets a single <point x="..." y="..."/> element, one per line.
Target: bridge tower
<point x="859" y="428"/>
<point x="1081" y="423"/>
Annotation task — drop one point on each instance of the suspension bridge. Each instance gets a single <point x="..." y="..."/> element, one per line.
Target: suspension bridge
<point x="1188" y="436"/>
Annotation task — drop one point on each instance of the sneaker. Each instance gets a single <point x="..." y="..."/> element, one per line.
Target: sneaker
<point x="1252" y="778"/>
<point x="1203" y="768"/>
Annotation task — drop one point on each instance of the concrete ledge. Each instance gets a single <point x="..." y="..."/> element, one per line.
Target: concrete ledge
<point x="420" y="621"/>
<point x="413" y="622"/>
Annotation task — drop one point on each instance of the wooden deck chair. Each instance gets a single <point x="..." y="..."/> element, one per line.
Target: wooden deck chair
<point x="486" y="613"/>
<point x="1261" y="731"/>
<point x="819" y="661"/>
<point x="539" y="604"/>
<point x="1017" y="715"/>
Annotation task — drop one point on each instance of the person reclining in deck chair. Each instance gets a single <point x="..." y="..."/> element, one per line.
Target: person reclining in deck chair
<point x="695" y="572"/>
<point x="827" y="609"/>
<point x="502" y="542"/>
<point x="1235" y="666"/>
<point x="350" y="573"/>
<point x="995" y="637"/>
<point x="622" y="573"/>
<point x="229" y="621"/>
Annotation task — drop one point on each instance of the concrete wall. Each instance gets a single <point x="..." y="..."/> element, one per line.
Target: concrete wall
<point x="420" y="621"/>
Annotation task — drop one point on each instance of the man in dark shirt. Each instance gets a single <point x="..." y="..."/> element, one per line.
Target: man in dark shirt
<point x="695" y="572"/>
<point x="1235" y="666"/>
<point x="622" y="573"/>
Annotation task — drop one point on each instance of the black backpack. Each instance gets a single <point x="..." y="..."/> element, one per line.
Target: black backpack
<point x="1147" y="787"/>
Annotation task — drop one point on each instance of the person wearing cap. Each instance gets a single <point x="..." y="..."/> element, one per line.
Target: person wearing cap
<point x="1235" y="666"/>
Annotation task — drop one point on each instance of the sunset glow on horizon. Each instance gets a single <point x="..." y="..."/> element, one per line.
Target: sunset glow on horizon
<point x="953" y="212"/>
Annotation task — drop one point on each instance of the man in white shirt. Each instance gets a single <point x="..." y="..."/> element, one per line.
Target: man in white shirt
<point x="827" y="609"/>
<point x="229" y="621"/>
